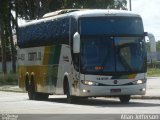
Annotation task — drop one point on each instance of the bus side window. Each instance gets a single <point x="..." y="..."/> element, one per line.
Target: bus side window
<point x="76" y="61"/>
<point x="39" y="56"/>
<point x="32" y="56"/>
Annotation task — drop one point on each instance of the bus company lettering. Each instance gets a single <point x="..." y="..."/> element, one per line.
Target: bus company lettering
<point x="102" y="78"/>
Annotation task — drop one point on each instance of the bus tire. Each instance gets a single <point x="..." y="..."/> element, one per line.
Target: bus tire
<point x="125" y="98"/>
<point x="31" y="90"/>
<point x="35" y="95"/>
<point x="70" y="98"/>
<point x="26" y="83"/>
<point x="32" y="94"/>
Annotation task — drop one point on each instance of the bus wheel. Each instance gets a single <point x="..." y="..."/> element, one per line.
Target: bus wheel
<point x="70" y="99"/>
<point x="124" y="98"/>
<point x="31" y="90"/>
<point x="35" y="95"/>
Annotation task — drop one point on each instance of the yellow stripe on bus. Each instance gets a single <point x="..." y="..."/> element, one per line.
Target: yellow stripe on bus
<point x="46" y="55"/>
<point x="132" y="76"/>
<point x="40" y="76"/>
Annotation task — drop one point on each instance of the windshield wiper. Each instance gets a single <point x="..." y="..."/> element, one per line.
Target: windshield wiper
<point x="123" y="60"/>
<point x="124" y="63"/>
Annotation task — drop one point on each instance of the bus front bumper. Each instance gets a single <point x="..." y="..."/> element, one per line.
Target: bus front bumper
<point x="102" y="91"/>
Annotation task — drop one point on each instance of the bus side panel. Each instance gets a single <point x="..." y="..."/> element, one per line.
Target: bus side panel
<point x="30" y="66"/>
<point x="64" y="67"/>
<point x="53" y="67"/>
<point x="21" y="78"/>
<point x="43" y="64"/>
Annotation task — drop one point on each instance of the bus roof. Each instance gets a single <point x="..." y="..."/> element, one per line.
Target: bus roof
<point x="102" y="12"/>
<point x="77" y="13"/>
<point x="91" y="12"/>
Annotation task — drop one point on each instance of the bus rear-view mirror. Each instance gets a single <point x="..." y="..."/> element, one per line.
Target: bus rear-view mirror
<point x="76" y="43"/>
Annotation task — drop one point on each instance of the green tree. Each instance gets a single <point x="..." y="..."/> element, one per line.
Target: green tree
<point x="35" y="9"/>
<point x="2" y="32"/>
<point x="7" y="25"/>
<point x="93" y="4"/>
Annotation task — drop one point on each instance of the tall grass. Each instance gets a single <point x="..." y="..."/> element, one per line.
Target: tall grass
<point x="153" y="69"/>
<point x="8" y="79"/>
<point x="153" y="72"/>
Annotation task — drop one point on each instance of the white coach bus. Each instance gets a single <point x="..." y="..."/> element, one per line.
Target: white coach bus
<point x="83" y="53"/>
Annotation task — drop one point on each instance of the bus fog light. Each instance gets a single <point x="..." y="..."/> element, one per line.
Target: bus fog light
<point x="143" y="89"/>
<point x="84" y="90"/>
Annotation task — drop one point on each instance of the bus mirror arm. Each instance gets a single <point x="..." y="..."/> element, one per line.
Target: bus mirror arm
<point x="153" y="49"/>
<point x="76" y="43"/>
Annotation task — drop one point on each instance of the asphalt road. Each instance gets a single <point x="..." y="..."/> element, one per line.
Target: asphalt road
<point x="17" y="106"/>
<point x="18" y="103"/>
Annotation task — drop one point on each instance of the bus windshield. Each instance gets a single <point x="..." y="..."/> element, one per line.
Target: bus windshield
<point x="112" y="45"/>
<point x="113" y="55"/>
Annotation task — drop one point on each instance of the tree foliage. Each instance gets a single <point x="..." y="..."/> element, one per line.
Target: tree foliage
<point x="34" y="9"/>
<point x="7" y="24"/>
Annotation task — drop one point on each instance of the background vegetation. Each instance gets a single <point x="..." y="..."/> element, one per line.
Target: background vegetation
<point x="8" y="79"/>
<point x="153" y="72"/>
<point x="157" y="46"/>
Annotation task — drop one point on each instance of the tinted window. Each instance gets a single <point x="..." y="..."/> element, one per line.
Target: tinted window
<point x="111" y="25"/>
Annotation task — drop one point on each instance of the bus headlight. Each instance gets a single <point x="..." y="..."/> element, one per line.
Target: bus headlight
<point x="139" y="82"/>
<point x="88" y="82"/>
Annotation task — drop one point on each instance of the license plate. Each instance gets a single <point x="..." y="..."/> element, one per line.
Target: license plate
<point x="115" y="90"/>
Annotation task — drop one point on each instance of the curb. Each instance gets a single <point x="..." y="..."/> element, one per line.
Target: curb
<point x="11" y="89"/>
<point x="145" y="97"/>
<point x="16" y="91"/>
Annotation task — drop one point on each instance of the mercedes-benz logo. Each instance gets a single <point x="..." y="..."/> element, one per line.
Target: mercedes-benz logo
<point x="115" y="81"/>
